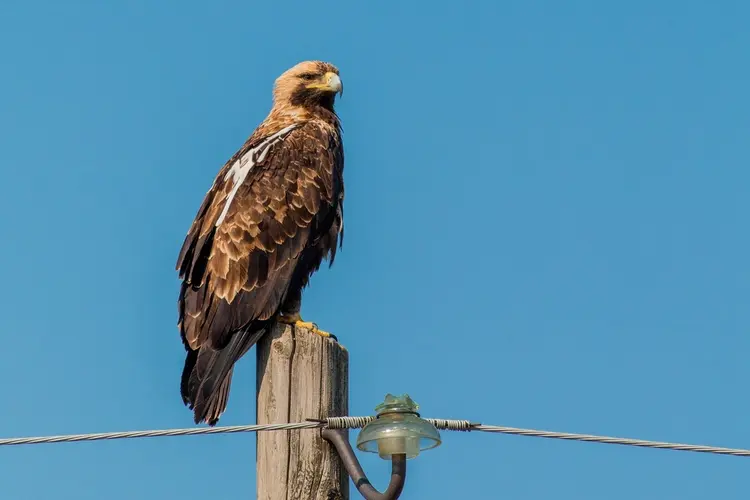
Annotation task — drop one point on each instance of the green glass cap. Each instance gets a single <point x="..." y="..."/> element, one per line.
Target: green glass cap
<point x="398" y="429"/>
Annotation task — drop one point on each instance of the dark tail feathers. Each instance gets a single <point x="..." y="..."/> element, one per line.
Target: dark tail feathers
<point x="207" y="375"/>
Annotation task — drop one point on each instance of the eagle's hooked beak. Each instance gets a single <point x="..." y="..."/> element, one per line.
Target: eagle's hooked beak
<point x="334" y="83"/>
<point x="330" y="82"/>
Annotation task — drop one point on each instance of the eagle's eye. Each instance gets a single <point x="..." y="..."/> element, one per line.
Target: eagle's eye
<point x="308" y="76"/>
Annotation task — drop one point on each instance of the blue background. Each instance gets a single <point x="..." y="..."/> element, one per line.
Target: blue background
<point x="546" y="227"/>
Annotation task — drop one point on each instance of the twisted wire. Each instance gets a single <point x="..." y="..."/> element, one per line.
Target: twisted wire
<point x="738" y="452"/>
<point x="359" y="422"/>
<point x="157" y="433"/>
<point x="347" y="422"/>
<point x="452" y="425"/>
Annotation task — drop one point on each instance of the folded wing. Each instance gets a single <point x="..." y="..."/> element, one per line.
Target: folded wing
<point x="273" y="200"/>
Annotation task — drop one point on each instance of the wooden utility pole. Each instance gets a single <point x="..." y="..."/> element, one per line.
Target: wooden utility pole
<point x="300" y="375"/>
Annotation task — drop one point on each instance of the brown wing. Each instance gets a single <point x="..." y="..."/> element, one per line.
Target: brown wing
<point x="236" y="273"/>
<point x="239" y="272"/>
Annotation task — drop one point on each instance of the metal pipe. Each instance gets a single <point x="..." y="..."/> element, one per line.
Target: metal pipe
<point x="339" y="439"/>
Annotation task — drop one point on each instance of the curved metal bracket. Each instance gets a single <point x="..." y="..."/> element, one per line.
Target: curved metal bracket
<point x="339" y="439"/>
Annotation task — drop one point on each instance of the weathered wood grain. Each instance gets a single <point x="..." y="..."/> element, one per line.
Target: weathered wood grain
<point x="300" y="375"/>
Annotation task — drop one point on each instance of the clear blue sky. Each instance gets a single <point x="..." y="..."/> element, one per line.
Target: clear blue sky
<point x="546" y="227"/>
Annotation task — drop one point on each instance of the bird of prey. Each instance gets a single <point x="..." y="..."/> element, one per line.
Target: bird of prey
<point x="272" y="215"/>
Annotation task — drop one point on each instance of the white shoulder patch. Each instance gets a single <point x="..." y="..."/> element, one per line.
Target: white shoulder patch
<point x="239" y="170"/>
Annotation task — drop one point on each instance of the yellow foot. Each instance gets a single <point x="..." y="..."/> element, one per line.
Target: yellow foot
<point x="296" y="320"/>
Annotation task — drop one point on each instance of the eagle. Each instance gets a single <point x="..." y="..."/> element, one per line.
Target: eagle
<point x="272" y="215"/>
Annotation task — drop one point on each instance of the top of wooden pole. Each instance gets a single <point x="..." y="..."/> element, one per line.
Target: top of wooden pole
<point x="300" y="375"/>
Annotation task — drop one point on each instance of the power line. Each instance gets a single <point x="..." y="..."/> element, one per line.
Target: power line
<point x="158" y="433"/>
<point x="465" y="425"/>
<point x="738" y="452"/>
<point x="359" y="422"/>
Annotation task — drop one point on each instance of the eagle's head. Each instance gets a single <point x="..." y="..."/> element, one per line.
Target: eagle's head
<point x="308" y="84"/>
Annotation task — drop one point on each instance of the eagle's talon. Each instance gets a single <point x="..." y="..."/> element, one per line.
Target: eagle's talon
<point x="325" y="334"/>
<point x="297" y="322"/>
<point x="313" y="327"/>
